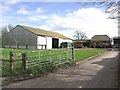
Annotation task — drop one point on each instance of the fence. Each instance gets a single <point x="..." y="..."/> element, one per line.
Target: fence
<point x="45" y="57"/>
<point x="13" y="61"/>
<point x="40" y="58"/>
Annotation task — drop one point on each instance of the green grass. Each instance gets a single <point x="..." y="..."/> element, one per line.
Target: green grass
<point x="6" y="52"/>
<point x="31" y="53"/>
<point x="80" y="54"/>
<point x="84" y="54"/>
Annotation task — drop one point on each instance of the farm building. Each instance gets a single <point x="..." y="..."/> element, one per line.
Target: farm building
<point x="81" y="43"/>
<point x="33" y="38"/>
<point x="116" y="41"/>
<point x="66" y="45"/>
<point x="101" y="41"/>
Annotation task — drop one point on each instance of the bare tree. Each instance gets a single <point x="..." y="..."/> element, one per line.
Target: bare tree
<point x="79" y="35"/>
<point x="111" y="6"/>
<point x="99" y="3"/>
<point x="10" y="27"/>
<point x="5" y="29"/>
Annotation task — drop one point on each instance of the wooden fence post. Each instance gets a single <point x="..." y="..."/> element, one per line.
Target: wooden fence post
<point x="26" y="46"/>
<point x="73" y="58"/>
<point x="11" y="61"/>
<point x="24" y="57"/>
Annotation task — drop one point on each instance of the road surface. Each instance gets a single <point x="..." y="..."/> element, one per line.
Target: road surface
<point x="100" y="72"/>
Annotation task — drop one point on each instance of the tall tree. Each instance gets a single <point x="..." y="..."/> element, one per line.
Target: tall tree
<point x="79" y="35"/>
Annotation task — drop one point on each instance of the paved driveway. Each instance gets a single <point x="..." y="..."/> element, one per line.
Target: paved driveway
<point x="100" y="72"/>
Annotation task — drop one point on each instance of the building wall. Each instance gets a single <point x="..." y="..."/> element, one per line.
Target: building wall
<point x="64" y="40"/>
<point x="116" y="42"/>
<point x="67" y="40"/>
<point x="78" y="44"/>
<point x="44" y="42"/>
<point x="60" y="41"/>
<point x="41" y="42"/>
<point x="49" y="42"/>
<point x="21" y="38"/>
<point x="101" y="44"/>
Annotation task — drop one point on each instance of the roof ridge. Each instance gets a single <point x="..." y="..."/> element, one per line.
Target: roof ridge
<point x="101" y="35"/>
<point x="31" y="27"/>
<point x="60" y="35"/>
<point x="38" y="28"/>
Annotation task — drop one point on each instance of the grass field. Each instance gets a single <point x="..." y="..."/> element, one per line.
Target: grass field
<point x="86" y="53"/>
<point x="80" y="54"/>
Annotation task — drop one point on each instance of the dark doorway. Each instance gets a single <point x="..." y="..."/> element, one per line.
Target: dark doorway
<point x="55" y="43"/>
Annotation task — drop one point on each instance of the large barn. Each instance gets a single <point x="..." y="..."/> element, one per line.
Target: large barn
<point x="33" y="38"/>
<point x="81" y="43"/>
<point x="101" y="41"/>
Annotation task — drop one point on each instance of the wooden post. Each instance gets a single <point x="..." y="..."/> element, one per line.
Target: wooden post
<point x="11" y="61"/>
<point x="26" y="46"/>
<point x="24" y="57"/>
<point x="73" y="59"/>
<point x="45" y="47"/>
<point x="17" y="45"/>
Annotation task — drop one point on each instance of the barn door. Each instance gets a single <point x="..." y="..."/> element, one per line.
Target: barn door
<point x="55" y="43"/>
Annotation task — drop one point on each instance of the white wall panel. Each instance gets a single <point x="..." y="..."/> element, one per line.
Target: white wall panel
<point x="64" y="40"/>
<point x="40" y="47"/>
<point x="60" y="41"/>
<point x="41" y="42"/>
<point x="49" y="42"/>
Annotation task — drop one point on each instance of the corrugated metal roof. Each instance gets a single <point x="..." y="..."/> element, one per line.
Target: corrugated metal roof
<point x="44" y="32"/>
<point x="100" y="38"/>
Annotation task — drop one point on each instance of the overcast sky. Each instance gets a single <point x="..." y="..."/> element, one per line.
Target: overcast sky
<point x="62" y="17"/>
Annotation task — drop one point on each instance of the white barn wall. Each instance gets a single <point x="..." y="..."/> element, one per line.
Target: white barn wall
<point x="67" y="40"/>
<point x="60" y="41"/>
<point x="41" y="40"/>
<point x="64" y="40"/>
<point x="49" y="42"/>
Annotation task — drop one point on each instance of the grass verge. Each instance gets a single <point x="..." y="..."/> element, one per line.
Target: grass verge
<point x="80" y="54"/>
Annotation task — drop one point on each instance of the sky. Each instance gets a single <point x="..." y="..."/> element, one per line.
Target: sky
<point x="61" y="17"/>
